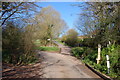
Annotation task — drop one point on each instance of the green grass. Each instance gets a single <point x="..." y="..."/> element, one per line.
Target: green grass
<point x="37" y="42"/>
<point x="48" y="48"/>
<point x="61" y="42"/>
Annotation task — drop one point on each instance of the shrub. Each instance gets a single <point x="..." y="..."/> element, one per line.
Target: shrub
<point x="113" y="52"/>
<point x="88" y="51"/>
<point x="77" y="51"/>
<point x="16" y="43"/>
<point x="114" y="56"/>
<point x="70" y="38"/>
<point x="90" y="54"/>
<point x="19" y="58"/>
<point x="27" y="58"/>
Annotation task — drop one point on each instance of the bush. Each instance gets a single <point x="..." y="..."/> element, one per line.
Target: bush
<point x="88" y="42"/>
<point x="27" y="58"/>
<point x="77" y="51"/>
<point x="113" y="52"/>
<point x="16" y="43"/>
<point x="90" y="55"/>
<point x="19" y="58"/>
<point x="70" y="38"/>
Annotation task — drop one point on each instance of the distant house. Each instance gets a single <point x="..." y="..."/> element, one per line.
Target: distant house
<point x="91" y="35"/>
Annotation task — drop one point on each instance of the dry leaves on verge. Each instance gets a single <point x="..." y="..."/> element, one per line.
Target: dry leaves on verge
<point x="24" y="71"/>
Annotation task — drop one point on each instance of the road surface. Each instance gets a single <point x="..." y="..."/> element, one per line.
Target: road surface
<point x="56" y="65"/>
<point x="64" y="49"/>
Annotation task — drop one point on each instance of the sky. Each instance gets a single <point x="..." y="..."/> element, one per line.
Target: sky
<point x="68" y="12"/>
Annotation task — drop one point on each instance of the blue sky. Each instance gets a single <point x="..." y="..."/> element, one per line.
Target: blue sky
<point x="67" y="11"/>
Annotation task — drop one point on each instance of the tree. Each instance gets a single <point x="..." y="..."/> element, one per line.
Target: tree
<point x="17" y="39"/>
<point x="49" y="24"/>
<point x="105" y="21"/>
<point x="17" y="47"/>
<point x="71" y="37"/>
<point x="14" y="10"/>
<point x="85" y="24"/>
<point x="107" y="24"/>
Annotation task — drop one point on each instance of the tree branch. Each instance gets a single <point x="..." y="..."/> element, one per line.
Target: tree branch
<point x="8" y="17"/>
<point x="6" y="10"/>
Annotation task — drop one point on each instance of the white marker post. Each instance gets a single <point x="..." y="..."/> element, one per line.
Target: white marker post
<point x="108" y="63"/>
<point x="99" y="50"/>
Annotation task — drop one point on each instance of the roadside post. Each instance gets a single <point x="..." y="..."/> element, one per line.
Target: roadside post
<point x="60" y="50"/>
<point x="108" y="63"/>
<point x="99" y="50"/>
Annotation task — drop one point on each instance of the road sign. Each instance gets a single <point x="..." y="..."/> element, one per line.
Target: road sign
<point x="48" y="39"/>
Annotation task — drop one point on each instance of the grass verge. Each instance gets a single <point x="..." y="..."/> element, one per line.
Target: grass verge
<point x="44" y="48"/>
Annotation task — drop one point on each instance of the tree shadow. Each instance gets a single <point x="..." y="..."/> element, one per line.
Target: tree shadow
<point x="28" y="71"/>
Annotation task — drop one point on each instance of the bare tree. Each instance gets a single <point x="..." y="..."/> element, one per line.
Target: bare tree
<point x="14" y="10"/>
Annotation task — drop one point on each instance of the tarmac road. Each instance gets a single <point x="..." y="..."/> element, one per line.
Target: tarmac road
<point x="56" y="65"/>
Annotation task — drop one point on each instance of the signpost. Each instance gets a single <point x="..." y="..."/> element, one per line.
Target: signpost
<point x="108" y="63"/>
<point x="48" y="39"/>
